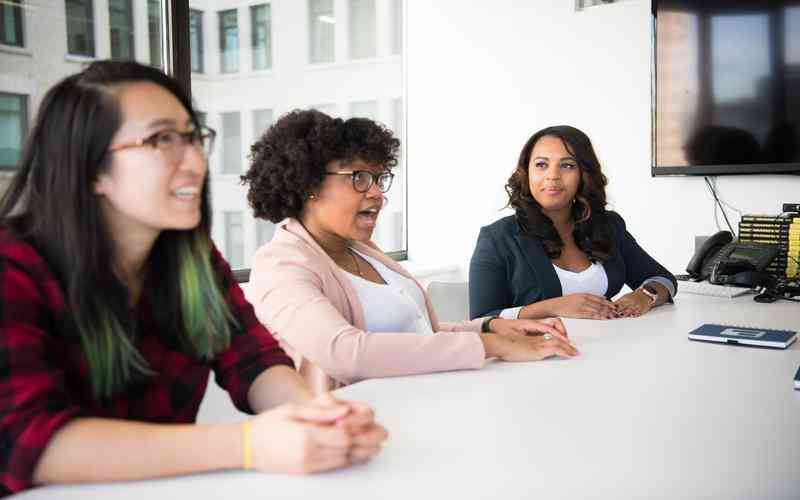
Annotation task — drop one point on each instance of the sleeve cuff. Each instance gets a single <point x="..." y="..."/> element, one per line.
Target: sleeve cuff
<point x="662" y="281"/>
<point x="510" y="313"/>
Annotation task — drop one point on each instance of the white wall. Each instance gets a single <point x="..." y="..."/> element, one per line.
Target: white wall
<point x="483" y="77"/>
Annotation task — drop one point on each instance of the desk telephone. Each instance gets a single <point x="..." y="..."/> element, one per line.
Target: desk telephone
<point x="725" y="261"/>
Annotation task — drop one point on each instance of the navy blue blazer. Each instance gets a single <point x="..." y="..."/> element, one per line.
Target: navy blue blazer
<point x="509" y="269"/>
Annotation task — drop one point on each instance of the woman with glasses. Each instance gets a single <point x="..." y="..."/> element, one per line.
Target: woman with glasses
<point x="339" y="305"/>
<point x="115" y="305"/>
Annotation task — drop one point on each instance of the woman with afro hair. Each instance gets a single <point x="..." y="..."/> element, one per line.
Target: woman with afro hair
<point x="338" y="305"/>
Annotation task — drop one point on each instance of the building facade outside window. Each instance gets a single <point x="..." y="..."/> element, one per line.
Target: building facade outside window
<point x="154" y="31"/>
<point x="234" y="238"/>
<point x="229" y="41"/>
<point x="261" y="35"/>
<point x="264" y="231"/>
<point x="196" y="40"/>
<point x="13" y="127"/>
<point x="262" y="120"/>
<point x="120" y="14"/>
<point x="80" y="27"/>
<point x="11" y="32"/>
<point x="231" y="143"/>
<point x="362" y="36"/>
<point x="396" y="24"/>
<point x="321" y="29"/>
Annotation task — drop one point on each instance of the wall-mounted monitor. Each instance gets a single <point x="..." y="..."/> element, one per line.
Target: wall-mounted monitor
<point x="726" y="87"/>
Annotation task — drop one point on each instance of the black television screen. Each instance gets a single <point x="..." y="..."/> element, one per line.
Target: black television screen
<point x="726" y="87"/>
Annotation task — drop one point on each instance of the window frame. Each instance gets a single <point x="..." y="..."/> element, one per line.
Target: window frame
<point x="90" y="31"/>
<point x="201" y="67"/>
<point x="19" y="27"/>
<point x="23" y="122"/>
<point x="268" y="48"/>
<point x="222" y="52"/>
<point x="178" y="64"/>
<point x="130" y="28"/>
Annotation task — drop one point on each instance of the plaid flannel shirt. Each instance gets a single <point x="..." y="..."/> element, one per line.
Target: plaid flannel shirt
<point x="44" y="378"/>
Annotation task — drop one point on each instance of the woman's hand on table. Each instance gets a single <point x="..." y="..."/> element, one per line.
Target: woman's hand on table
<point x="315" y="436"/>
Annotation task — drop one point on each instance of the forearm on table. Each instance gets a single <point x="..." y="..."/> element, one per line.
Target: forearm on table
<point x="95" y="449"/>
<point x="537" y="310"/>
<point x="275" y="386"/>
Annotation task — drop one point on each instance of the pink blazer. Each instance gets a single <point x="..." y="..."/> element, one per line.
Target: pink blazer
<point x="311" y="307"/>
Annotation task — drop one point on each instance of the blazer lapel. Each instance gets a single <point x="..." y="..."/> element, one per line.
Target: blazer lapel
<point x="539" y="265"/>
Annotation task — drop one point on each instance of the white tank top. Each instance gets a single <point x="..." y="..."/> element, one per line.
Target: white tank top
<point x="591" y="280"/>
<point x="397" y="306"/>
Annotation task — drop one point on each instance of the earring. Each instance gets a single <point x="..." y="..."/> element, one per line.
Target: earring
<point x="312" y="196"/>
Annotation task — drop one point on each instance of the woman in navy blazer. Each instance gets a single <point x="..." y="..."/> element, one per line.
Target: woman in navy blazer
<point x="562" y="253"/>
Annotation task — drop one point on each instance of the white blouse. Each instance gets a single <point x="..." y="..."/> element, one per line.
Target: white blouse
<point x="397" y="306"/>
<point x="592" y="280"/>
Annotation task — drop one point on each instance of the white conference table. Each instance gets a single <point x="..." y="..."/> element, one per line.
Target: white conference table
<point x="642" y="413"/>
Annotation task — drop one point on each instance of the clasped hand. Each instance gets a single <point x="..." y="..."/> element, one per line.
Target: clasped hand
<point x="315" y="436"/>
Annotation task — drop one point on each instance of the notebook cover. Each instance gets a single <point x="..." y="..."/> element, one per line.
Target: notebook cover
<point x="797" y="379"/>
<point x="743" y="335"/>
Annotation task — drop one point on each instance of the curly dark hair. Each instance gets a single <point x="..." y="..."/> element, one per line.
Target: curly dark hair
<point x="591" y="231"/>
<point x="288" y="162"/>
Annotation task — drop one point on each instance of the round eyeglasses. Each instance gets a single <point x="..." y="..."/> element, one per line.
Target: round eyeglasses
<point x="364" y="179"/>
<point x="172" y="143"/>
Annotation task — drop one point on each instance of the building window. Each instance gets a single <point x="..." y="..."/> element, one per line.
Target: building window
<point x="322" y="25"/>
<point x="13" y="127"/>
<point x="11" y="23"/>
<point x="362" y="29"/>
<point x="231" y="143"/>
<point x="120" y="13"/>
<point x="80" y="27"/>
<point x="202" y="116"/>
<point x="262" y="120"/>
<point x="264" y="231"/>
<point x="261" y="32"/>
<point x="234" y="238"/>
<point x="364" y="109"/>
<point x="229" y="41"/>
<point x="397" y="27"/>
<point x="196" y="40"/>
<point x="154" y="31"/>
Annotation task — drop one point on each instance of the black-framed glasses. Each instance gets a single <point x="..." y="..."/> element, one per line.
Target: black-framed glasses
<point x="172" y="143"/>
<point x="364" y="179"/>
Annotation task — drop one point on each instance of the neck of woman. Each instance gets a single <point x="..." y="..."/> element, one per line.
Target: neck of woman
<point x="334" y="245"/>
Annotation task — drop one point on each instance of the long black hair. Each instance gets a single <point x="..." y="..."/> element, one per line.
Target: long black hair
<point x="51" y="203"/>
<point x="591" y="232"/>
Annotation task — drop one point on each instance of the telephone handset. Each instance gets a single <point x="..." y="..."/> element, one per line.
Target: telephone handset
<point x="709" y="254"/>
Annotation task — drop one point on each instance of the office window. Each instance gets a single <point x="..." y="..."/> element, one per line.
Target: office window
<point x="231" y="143"/>
<point x="196" y="40"/>
<point x="243" y="105"/>
<point x="229" y="41"/>
<point x="80" y="27"/>
<point x="362" y="29"/>
<point x="11" y="23"/>
<point x="120" y="14"/>
<point x="264" y="231"/>
<point x="322" y="26"/>
<point x="396" y="24"/>
<point x="262" y="120"/>
<point x="364" y="109"/>
<point x="261" y="33"/>
<point x="234" y="238"/>
<point x="154" y="31"/>
<point x="13" y="127"/>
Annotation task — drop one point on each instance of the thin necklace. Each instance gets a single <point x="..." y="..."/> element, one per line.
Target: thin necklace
<point x="355" y="261"/>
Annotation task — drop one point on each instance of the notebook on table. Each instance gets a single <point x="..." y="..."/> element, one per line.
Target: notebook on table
<point x="797" y="379"/>
<point x="744" y="335"/>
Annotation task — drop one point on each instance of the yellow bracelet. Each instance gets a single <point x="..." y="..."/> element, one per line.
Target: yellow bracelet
<point x="247" y="445"/>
